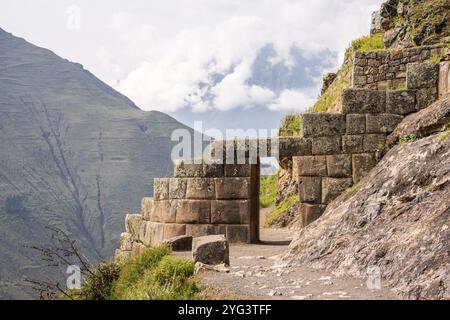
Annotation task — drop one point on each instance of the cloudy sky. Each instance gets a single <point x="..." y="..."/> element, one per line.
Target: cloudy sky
<point x="198" y="58"/>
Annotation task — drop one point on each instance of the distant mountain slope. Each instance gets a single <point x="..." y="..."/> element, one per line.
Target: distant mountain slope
<point x="75" y="154"/>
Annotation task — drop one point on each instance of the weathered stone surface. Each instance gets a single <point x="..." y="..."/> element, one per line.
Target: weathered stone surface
<point x="356" y="123"/>
<point x="133" y="224"/>
<point x="237" y="170"/>
<point x="309" y="189"/>
<point x="232" y="188"/>
<point x="310" y="213"/>
<point x="326" y="145"/>
<point x="238" y="233"/>
<point x="362" y="164"/>
<point x="161" y="189"/>
<point x="401" y="102"/>
<point x="230" y="212"/>
<point x="193" y="211"/>
<point x="425" y="97"/>
<point x="151" y="233"/>
<point x="333" y="187"/>
<point x="373" y="142"/>
<point x="121" y="255"/>
<point x="177" y="188"/>
<point x="289" y="147"/>
<point x="174" y="230"/>
<point x="322" y="124"/>
<point x="444" y="79"/>
<point x="146" y="208"/>
<point x="180" y="243"/>
<point x="312" y="165"/>
<point x="200" y="188"/>
<point x="363" y="101"/>
<point x="422" y="75"/>
<point x="126" y="241"/>
<point x="199" y="230"/>
<point x="137" y="249"/>
<point x="188" y="170"/>
<point x="211" y="250"/>
<point x="163" y="211"/>
<point x="433" y="119"/>
<point x="353" y="144"/>
<point x="339" y="166"/>
<point x="213" y="170"/>
<point x="382" y="123"/>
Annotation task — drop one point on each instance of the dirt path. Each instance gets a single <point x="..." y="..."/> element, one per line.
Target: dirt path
<point x="255" y="275"/>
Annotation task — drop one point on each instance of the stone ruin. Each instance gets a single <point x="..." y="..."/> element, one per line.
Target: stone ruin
<point x="333" y="153"/>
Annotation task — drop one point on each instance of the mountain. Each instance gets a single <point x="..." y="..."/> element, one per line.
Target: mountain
<point x="75" y="154"/>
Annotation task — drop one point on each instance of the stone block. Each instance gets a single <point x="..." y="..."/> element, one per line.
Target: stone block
<point x="133" y="224"/>
<point x="309" y="189"/>
<point x="180" y="243"/>
<point x="322" y="124"/>
<point x="363" y="101"/>
<point x="161" y="189"/>
<point x="238" y="233"/>
<point x="152" y="233"/>
<point x="213" y="170"/>
<point x="237" y="170"/>
<point x="200" y="188"/>
<point x="356" y="124"/>
<point x="422" y="75"/>
<point x="326" y="145"/>
<point x="163" y="211"/>
<point x="289" y="147"/>
<point x="401" y="102"/>
<point x="232" y="188"/>
<point x="444" y="78"/>
<point x="339" y="166"/>
<point x="193" y="211"/>
<point x="230" y="212"/>
<point x="373" y="142"/>
<point x="172" y="230"/>
<point x="146" y="208"/>
<point x="362" y="164"/>
<point x="177" y="188"/>
<point x="188" y="170"/>
<point x="310" y="212"/>
<point x="126" y="241"/>
<point x="353" y="143"/>
<point x="211" y="250"/>
<point x="121" y="255"/>
<point x="199" y="230"/>
<point x="333" y="187"/>
<point x="137" y="249"/>
<point x="312" y="165"/>
<point x="382" y="122"/>
<point x="425" y="97"/>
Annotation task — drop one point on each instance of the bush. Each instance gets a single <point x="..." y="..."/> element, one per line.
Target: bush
<point x="99" y="284"/>
<point x="369" y="43"/>
<point x="268" y="191"/>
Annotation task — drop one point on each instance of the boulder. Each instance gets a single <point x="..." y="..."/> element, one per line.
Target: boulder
<point x="211" y="250"/>
<point x="180" y="243"/>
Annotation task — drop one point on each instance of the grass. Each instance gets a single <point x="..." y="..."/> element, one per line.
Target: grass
<point x="280" y="209"/>
<point x="268" y="191"/>
<point x="369" y="43"/>
<point x="407" y="139"/>
<point x="290" y="126"/>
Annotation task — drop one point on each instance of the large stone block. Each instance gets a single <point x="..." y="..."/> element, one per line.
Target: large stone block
<point x="312" y="165"/>
<point x="289" y="147"/>
<point x="426" y="97"/>
<point x="200" y="188"/>
<point x="382" y="123"/>
<point x="326" y="145"/>
<point x="333" y="187"/>
<point x="133" y="224"/>
<point x="339" y="166"/>
<point x="230" y="212"/>
<point x="161" y="189"/>
<point x="193" y="211"/>
<point x="188" y="170"/>
<point x="199" y="230"/>
<point x="237" y="170"/>
<point x="363" y="101"/>
<point x="211" y="250"/>
<point x="163" y="211"/>
<point x="356" y="123"/>
<point x="177" y="188"/>
<point x="172" y="230"/>
<point x="422" y="75"/>
<point x="152" y="233"/>
<point x="353" y="143"/>
<point x="179" y="243"/>
<point x="146" y="208"/>
<point x="126" y="241"/>
<point x="401" y="102"/>
<point x="238" y="233"/>
<point x="232" y="188"/>
<point x="137" y="249"/>
<point x="322" y="124"/>
<point x="362" y="164"/>
<point x="310" y="212"/>
<point x="213" y="170"/>
<point x="310" y="189"/>
<point x="444" y="78"/>
<point x="373" y="142"/>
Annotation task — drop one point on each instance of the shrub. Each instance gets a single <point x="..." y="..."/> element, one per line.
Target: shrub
<point x="268" y="191"/>
<point x="99" y="284"/>
<point x="369" y="43"/>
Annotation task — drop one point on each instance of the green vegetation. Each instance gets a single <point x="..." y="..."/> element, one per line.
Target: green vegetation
<point x="369" y="43"/>
<point x="284" y="206"/>
<point x="268" y="191"/>
<point x="407" y="139"/>
<point x="152" y="275"/>
<point x="290" y="126"/>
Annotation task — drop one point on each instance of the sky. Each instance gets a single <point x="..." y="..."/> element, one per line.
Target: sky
<point x="196" y="58"/>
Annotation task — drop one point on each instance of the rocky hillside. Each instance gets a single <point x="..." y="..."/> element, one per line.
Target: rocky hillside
<point x="397" y="218"/>
<point x="75" y="154"/>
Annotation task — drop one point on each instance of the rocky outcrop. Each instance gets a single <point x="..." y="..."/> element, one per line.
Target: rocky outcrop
<point x="397" y="219"/>
<point x="211" y="250"/>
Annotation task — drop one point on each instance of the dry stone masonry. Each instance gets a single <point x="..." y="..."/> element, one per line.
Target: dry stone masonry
<point x="334" y="152"/>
